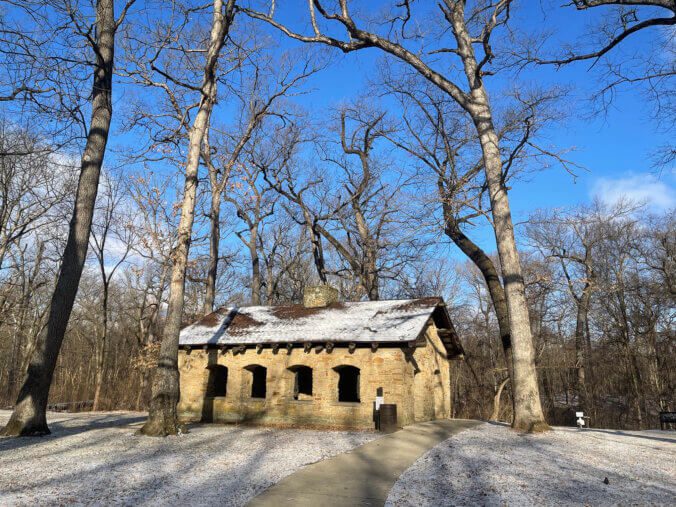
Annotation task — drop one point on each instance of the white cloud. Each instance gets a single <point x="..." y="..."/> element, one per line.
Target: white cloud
<point x="657" y="193"/>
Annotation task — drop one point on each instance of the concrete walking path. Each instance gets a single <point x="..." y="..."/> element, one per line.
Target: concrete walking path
<point x="363" y="476"/>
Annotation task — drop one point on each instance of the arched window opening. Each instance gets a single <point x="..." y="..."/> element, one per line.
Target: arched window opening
<point x="302" y="383"/>
<point x="258" y="381"/>
<point x="348" y="384"/>
<point x="217" y="382"/>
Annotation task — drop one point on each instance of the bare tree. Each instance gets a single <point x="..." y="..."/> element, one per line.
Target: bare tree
<point x="624" y="22"/>
<point x="32" y="182"/>
<point x="280" y="172"/>
<point x="615" y="269"/>
<point x="34" y="193"/>
<point x="21" y="309"/>
<point x="269" y="83"/>
<point x="154" y="228"/>
<point x="571" y="241"/>
<point x="162" y="416"/>
<point x="650" y="69"/>
<point x="29" y="417"/>
<point x="360" y="188"/>
<point x="358" y="213"/>
<point x="599" y="258"/>
<point x="254" y="202"/>
<point x="112" y="225"/>
<point x="470" y="30"/>
<point x="286" y="261"/>
<point x="437" y="135"/>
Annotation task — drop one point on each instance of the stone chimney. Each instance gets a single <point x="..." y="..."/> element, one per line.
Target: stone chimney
<point x="319" y="296"/>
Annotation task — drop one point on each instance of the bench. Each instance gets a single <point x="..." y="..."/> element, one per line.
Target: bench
<point x="667" y="418"/>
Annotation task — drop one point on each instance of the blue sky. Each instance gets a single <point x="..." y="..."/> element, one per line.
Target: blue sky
<point x="615" y="148"/>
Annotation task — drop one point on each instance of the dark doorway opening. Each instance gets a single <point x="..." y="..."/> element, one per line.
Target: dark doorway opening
<point x="258" y="381"/>
<point x="348" y="384"/>
<point x="217" y="383"/>
<point x="302" y="385"/>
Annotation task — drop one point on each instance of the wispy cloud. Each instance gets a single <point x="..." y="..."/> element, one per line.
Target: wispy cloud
<point x="657" y="193"/>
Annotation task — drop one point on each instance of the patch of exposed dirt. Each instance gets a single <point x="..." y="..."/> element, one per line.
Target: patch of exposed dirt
<point x="213" y="319"/>
<point x="243" y="321"/>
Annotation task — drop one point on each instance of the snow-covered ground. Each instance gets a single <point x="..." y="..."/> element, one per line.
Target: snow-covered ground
<point x="96" y="459"/>
<point x="492" y="465"/>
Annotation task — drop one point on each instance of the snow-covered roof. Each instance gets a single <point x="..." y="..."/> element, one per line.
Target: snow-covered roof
<point x="362" y="322"/>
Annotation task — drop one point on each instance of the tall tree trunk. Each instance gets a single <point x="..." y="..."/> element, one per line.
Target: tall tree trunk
<point x="528" y="415"/>
<point x="29" y="416"/>
<point x="369" y="269"/>
<point x="103" y="346"/>
<point x="581" y="348"/>
<point x="317" y="249"/>
<point x="582" y="345"/>
<point x="630" y="354"/>
<point x="490" y="275"/>
<point x="371" y="277"/>
<point x="654" y="361"/>
<point x="256" y="282"/>
<point x="141" y="395"/>
<point x="548" y="389"/>
<point x="98" y="379"/>
<point x="495" y="416"/>
<point x="214" y="240"/>
<point x="165" y="393"/>
<point x="591" y="385"/>
<point x="635" y="377"/>
<point x="14" y="366"/>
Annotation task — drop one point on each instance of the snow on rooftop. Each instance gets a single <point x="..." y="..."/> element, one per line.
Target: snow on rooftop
<point x="368" y="321"/>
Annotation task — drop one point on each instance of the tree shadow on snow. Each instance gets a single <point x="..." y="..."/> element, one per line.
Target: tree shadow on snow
<point x="66" y="427"/>
<point x="634" y="434"/>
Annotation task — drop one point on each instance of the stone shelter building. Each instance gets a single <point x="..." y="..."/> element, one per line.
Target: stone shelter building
<point x="319" y="364"/>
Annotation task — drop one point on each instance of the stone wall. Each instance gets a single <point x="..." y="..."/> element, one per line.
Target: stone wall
<point x="430" y="390"/>
<point x="419" y="396"/>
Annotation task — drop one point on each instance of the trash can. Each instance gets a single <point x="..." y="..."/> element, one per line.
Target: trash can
<point x="388" y="418"/>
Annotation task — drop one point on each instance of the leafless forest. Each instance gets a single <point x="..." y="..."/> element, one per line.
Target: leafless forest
<point x="221" y="185"/>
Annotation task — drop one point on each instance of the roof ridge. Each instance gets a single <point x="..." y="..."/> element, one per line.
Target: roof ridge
<point x="237" y="307"/>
